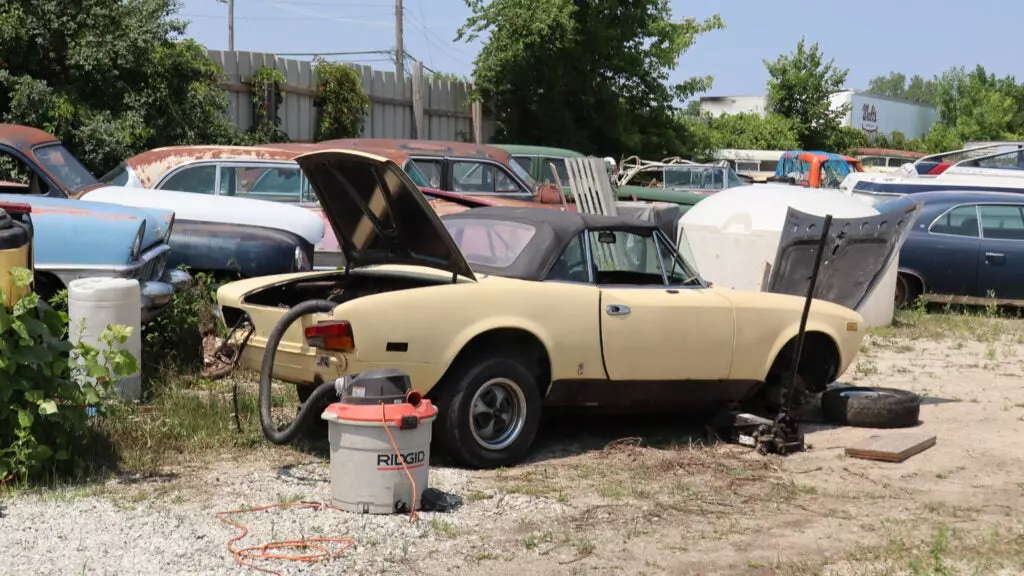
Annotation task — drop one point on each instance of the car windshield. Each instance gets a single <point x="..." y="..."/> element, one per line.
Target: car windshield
<point x="523" y="175"/>
<point x="694" y="177"/>
<point x="118" y="176"/>
<point x="64" y="167"/>
<point x="494" y="243"/>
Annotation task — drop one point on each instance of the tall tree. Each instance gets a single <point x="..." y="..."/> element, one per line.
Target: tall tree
<point x="585" y="74"/>
<point x="800" y="87"/>
<point x="109" y="77"/>
<point x="974" y="104"/>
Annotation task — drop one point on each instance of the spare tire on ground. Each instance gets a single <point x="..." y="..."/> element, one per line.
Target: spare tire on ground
<point x="865" y="407"/>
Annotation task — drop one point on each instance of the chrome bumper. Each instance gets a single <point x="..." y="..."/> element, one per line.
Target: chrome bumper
<point x="158" y="294"/>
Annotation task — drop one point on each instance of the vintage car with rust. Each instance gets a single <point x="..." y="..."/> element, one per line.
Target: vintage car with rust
<point x="475" y="169"/>
<point x="236" y="237"/>
<point x="496" y="312"/>
<point x="80" y="239"/>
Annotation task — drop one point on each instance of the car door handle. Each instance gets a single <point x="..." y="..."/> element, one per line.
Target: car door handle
<point x="995" y="257"/>
<point x="617" y="310"/>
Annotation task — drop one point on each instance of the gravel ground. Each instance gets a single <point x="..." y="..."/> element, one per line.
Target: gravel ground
<point x="160" y="528"/>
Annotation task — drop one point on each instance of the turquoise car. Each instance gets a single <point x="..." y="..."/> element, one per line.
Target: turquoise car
<point x="80" y="239"/>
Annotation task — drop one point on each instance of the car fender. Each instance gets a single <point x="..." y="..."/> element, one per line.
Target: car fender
<point x="249" y="251"/>
<point x="75" y="234"/>
<point x="790" y="331"/>
<point x="487" y="324"/>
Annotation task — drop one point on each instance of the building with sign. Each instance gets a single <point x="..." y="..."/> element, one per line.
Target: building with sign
<point x="871" y="113"/>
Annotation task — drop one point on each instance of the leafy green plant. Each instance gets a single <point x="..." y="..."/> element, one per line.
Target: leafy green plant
<point x="266" y="125"/>
<point x="341" y="100"/>
<point x="174" y="339"/>
<point x="48" y="384"/>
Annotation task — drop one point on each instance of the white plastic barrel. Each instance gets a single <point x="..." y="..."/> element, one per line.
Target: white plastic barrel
<point x="94" y="304"/>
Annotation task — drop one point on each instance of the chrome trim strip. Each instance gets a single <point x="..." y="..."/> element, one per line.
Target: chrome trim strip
<point x="146" y="257"/>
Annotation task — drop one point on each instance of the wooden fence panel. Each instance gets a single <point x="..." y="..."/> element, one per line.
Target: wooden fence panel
<point x="446" y="106"/>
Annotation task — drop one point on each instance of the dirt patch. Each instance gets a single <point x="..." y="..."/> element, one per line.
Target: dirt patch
<point x="625" y="498"/>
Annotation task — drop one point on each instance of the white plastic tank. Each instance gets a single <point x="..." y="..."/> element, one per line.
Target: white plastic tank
<point x="379" y="434"/>
<point x="94" y="304"/>
<point x="733" y="233"/>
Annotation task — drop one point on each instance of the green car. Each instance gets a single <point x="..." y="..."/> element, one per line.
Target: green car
<point x="537" y="160"/>
<point x="673" y="180"/>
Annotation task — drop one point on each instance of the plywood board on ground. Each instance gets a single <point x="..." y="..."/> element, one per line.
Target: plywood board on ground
<point x="891" y="447"/>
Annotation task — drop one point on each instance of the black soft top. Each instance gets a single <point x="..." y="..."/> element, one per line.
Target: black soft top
<point x="555" y="229"/>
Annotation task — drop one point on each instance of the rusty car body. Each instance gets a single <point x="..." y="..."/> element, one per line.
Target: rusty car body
<point x="79" y="239"/>
<point x="238" y="236"/>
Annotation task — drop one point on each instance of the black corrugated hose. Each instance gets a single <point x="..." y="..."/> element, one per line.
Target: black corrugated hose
<point x="310" y="407"/>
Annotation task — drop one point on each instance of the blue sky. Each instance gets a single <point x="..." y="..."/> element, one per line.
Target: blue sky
<point x="870" y="37"/>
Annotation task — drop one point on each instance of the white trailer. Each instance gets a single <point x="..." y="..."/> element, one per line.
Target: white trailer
<point x="879" y="115"/>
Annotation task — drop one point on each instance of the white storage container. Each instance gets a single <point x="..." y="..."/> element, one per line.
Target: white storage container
<point x="94" y="304"/>
<point x="733" y="233"/>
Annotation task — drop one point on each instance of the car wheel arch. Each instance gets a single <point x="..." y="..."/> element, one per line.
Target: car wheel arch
<point x="815" y="336"/>
<point x="921" y="284"/>
<point x="523" y="341"/>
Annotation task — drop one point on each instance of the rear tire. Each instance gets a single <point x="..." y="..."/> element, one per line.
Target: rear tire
<point x="907" y="291"/>
<point x="865" y="407"/>
<point x="489" y="411"/>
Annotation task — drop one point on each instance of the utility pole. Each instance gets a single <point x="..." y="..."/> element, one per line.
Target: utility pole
<point x="231" y="25"/>
<point x="399" y="48"/>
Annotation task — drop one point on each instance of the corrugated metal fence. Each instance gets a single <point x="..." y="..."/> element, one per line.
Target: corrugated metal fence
<point x="447" y="113"/>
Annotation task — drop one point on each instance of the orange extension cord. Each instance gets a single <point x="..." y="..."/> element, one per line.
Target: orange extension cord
<point x="245" y="556"/>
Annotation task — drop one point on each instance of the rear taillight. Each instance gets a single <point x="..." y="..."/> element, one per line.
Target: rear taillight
<point x="334" y="335"/>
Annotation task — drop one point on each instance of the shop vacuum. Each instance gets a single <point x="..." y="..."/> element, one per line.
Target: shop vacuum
<point x="379" y="432"/>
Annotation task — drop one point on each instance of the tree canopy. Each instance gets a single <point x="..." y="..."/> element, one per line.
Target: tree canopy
<point x="110" y="78"/>
<point x="800" y="88"/>
<point x="585" y="74"/>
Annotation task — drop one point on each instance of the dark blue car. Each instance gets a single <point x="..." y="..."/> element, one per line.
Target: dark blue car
<point x="965" y="247"/>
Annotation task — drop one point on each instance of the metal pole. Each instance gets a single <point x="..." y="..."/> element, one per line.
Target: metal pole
<point x="399" y="45"/>
<point x="231" y="25"/>
<point x="799" y="348"/>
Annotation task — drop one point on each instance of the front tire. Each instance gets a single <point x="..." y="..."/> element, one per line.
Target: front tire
<point x="489" y="412"/>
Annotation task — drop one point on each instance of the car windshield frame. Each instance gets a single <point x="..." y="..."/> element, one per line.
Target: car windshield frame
<point x="72" y="176"/>
<point x="664" y="249"/>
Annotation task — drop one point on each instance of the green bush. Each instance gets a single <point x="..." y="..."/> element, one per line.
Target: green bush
<point x="48" y="384"/>
<point x="341" y="100"/>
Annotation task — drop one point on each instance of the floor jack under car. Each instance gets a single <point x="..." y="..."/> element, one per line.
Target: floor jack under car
<point x="781" y="434"/>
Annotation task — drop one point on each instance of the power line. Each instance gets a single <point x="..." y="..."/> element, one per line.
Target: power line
<point x="445" y="44"/>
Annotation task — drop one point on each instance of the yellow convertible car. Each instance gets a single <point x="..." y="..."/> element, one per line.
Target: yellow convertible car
<point x="497" y="312"/>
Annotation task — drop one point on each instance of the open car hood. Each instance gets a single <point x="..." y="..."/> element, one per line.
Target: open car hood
<point x="378" y="214"/>
<point x="857" y="253"/>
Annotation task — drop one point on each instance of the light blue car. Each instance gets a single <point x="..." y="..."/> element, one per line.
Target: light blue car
<point x="80" y="239"/>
